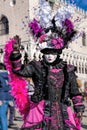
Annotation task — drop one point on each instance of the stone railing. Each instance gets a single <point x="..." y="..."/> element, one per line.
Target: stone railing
<point x="77" y="59"/>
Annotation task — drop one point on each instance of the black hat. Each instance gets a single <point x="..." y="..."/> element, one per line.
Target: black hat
<point x="53" y="32"/>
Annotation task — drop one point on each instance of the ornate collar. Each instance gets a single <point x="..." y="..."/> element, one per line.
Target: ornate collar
<point x="58" y="63"/>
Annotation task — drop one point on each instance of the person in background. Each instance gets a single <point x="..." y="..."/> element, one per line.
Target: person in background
<point x="11" y="116"/>
<point x="5" y="97"/>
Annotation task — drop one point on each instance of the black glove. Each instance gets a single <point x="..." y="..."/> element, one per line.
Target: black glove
<point x="16" y="46"/>
<point x="17" y="43"/>
<point x="79" y="115"/>
<point x="37" y="96"/>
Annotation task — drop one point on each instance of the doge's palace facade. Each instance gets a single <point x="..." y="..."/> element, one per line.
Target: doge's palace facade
<point x="14" y="17"/>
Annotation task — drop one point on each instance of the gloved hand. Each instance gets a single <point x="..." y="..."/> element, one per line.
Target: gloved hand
<point x="16" y="46"/>
<point x="37" y="96"/>
<point x="79" y="115"/>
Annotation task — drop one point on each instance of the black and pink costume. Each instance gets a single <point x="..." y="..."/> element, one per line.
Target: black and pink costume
<point x="55" y="87"/>
<point x="55" y="83"/>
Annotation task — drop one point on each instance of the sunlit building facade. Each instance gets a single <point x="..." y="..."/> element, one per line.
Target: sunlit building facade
<point x="14" y="18"/>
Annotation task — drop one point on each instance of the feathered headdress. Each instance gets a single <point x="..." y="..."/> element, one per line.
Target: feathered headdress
<point x="52" y="32"/>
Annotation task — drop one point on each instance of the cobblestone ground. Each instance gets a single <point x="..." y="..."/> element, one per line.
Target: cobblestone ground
<point x="18" y="122"/>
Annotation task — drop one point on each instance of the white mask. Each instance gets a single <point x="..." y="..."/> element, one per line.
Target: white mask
<point x="50" y="58"/>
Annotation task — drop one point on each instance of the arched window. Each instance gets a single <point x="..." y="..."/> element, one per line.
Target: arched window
<point x="79" y="67"/>
<point x="84" y="39"/>
<point x="82" y="68"/>
<point x="4" y="26"/>
<point x="85" y="68"/>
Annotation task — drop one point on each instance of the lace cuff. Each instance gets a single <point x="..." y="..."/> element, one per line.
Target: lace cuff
<point x="78" y="104"/>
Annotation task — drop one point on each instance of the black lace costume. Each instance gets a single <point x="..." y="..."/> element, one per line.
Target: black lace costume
<point x="56" y="84"/>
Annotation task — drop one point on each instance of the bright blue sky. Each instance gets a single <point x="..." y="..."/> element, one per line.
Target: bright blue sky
<point x="80" y="3"/>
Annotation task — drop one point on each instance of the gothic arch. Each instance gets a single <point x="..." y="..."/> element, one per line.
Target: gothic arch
<point x="4" y="25"/>
<point x="84" y="39"/>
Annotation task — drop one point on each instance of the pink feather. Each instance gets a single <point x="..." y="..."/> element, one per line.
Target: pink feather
<point x="17" y="83"/>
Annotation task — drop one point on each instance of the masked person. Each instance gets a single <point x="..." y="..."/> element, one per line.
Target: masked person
<point x="55" y="84"/>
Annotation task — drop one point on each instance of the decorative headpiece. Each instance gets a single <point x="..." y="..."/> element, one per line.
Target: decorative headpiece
<point x="52" y="32"/>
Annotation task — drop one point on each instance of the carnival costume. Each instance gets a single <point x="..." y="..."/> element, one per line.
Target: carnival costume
<point x="55" y="83"/>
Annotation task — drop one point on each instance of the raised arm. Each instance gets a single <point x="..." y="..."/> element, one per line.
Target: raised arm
<point x="18" y="68"/>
